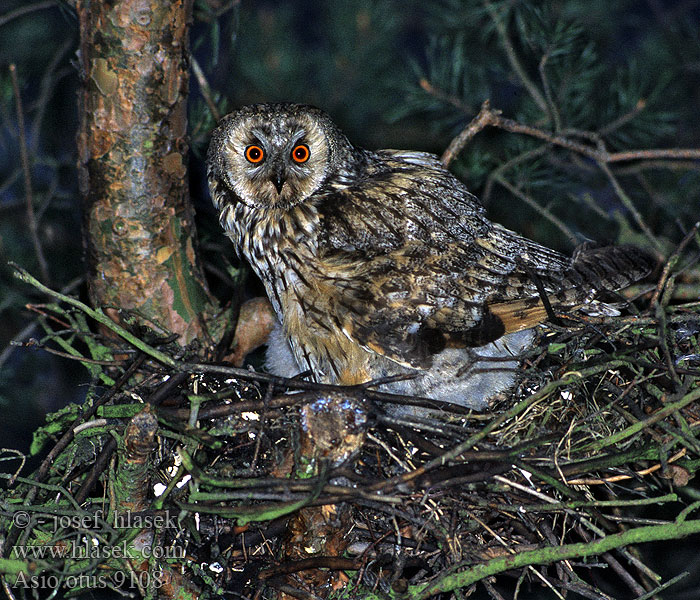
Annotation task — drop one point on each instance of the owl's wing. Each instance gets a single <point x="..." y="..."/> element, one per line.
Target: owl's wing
<point x="415" y="267"/>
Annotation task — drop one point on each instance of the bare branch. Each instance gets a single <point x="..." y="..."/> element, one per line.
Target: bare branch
<point x="485" y="117"/>
<point x="205" y="88"/>
<point x="28" y="196"/>
<point x="491" y="116"/>
<point x="23" y="10"/>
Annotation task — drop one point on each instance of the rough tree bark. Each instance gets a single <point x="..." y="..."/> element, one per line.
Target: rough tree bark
<point x="132" y="143"/>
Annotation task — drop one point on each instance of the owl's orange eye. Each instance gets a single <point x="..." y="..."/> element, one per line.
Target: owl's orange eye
<point x="300" y="153"/>
<point x="254" y="154"/>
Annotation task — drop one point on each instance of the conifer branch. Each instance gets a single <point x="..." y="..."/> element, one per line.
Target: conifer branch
<point x="492" y="117"/>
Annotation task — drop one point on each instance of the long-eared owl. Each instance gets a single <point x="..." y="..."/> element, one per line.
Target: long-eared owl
<point x="381" y="263"/>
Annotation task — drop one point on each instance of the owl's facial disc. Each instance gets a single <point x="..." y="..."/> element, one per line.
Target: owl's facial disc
<point x="278" y="163"/>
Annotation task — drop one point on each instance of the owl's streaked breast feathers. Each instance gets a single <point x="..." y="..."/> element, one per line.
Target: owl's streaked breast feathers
<point x="384" y="254"/>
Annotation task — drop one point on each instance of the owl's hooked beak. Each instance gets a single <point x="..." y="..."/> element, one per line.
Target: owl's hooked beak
<point x="278" y="178"/>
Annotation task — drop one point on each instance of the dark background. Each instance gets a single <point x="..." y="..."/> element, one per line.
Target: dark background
<point x="363" y="62"/>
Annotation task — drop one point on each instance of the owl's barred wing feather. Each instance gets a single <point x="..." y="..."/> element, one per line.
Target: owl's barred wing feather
<point x="402" y="197"/>
<point x="417" y="268"/>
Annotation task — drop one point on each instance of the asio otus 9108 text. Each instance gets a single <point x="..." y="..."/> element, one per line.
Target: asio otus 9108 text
<point x="381" y="262"/>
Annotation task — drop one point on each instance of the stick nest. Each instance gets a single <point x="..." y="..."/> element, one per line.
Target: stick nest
<point x="552" y="487"/>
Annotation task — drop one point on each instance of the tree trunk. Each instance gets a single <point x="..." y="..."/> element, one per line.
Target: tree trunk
<point x="132" y="144"/>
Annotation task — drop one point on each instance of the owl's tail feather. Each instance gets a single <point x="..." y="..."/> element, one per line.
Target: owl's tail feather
<point x="610" y="268"/>
<point x="592" y="271"/>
